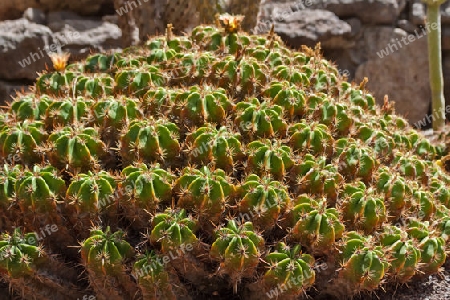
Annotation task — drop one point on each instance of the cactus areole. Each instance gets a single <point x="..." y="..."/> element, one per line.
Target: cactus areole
<point x="216" y="162"/>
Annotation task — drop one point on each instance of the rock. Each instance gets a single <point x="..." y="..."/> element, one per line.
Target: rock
<point x="356" y="26"/>
<point x="61" y="16"/>
<point x="22" y="49"/>
<point x="12" y="9"/>
<point x="24" y="46"/>
<point x="76" y="24"/>
<point x="418" y="12"/>
<point x="80" y="39"/>
<point x="9" y="89"/>
<point x="407" y="26"/>
<point x="307" y="27"/>
<point x="111" y="19"/>
<point x="402" y="73"/>
<point x="35" y="15"/>
<point x="374" y="12"/>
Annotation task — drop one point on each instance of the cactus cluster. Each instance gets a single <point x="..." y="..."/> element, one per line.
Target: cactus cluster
<point x="210" y="164"/>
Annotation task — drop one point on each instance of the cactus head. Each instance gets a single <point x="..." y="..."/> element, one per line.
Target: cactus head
<point x="104" y="251"/>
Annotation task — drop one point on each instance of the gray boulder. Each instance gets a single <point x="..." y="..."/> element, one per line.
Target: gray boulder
<point x="35" y="15"/>
<point x="373" y="12"/>
<point x="307" y="27"/>
<point x="23" y="48"/>
<point x="399" y="72"/>
<point x="13" y="9"/>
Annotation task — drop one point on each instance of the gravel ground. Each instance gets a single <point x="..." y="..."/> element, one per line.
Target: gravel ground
<point x="434" y="287"/>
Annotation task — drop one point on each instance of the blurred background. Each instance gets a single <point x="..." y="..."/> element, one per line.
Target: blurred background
<point x="384" y="40"/>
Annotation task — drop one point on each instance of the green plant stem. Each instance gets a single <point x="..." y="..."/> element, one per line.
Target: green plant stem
<point x="435" y="63"/>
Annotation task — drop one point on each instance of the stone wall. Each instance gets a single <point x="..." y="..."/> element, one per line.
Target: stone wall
<point x="26" y="42"/>
<point x="384" y="40"/>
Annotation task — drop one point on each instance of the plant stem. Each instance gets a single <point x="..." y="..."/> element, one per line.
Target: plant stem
<point x="435" y="65"/>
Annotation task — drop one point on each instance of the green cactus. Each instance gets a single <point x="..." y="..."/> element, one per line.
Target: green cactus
<point x="379" y="140"/>
<point x="440" y="191"/>
<point x="247" y="73"/>
<point x="104" y="251"/>
<point x="314" y="176"/>
<point x="260" y="119"/>
<point x="93" y="86"/>
<point x="153" y="279"/>
<point x="145" y="189"/>
<point x="432" y="248"/>
<point x="272" y="57"/>
<point x="264" y="198"/>
<point x="100" y="62"/>
<point x="403" y="254"/>
<point x="222" y="124"/>
<point x="421" y="146"/>
<point x="30" y="107"/>
<point x="291" y="73"/>
<point x="395" y="188"/>
<point x="76" y="148"/>
<point x="288" y="97"/>
<point x="220" y="147"/>
<point x="333" y="114"/>
<point x="358" y="97"/>
<point x="323" y="80"/>
<point x="289" y="269"/>
<point x="136" y="81"/>
<point x="160" y="55"/>
<point x="312" y="138"/>
<point x="6" y="119"/>
<point x="66" y="112"/>
<point x="202" y="104"/>
<point x="269" y="157"/>
<point x="21" y="142"/>
<point x="314" y="225"/>
<point x="25" y="266"/>
<point x="355" y="160"/>
<point x="19" y="253"/>
<point x="8" y="177"/>
<point x="204" y="191"/>
<point x="364" y="265"/>
<point x="103" y="254"/>
<point x="114" y="113"/>
<point x="207" y="37"/>
<point x="190" y="68"/>
<point x="88" y="197"/>
<point x="173" y="230"/>
<point x="56" y="83"/>
<point x="149" y="140"/>
<point x="238" y="248"/>
<point x="410" y="166"/>
<point x="159" y="100"/>
<point x="38" y="190"/>
<point x="362" y="207"/>
<point x="442" y="224"/>
<point x="422" y="205"/>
